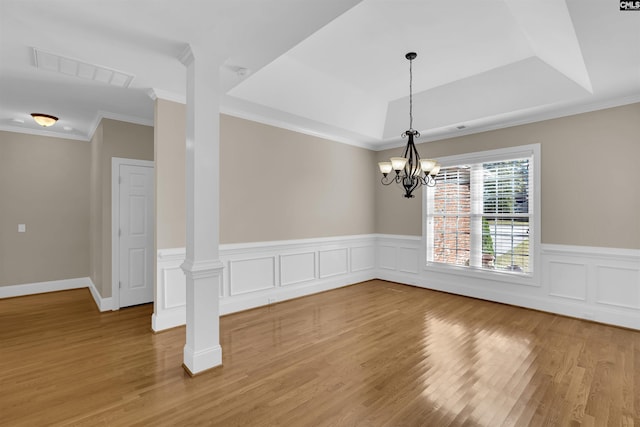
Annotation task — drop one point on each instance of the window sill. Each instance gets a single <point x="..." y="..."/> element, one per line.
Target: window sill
<point x="485" y="274"/>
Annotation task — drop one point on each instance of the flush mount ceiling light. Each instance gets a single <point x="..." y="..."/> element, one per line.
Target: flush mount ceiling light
<point x="410" y="170"/>
<point x="44" y="120"/>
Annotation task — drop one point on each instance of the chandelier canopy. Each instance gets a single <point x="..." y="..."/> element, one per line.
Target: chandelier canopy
<point x="410" y="170"/>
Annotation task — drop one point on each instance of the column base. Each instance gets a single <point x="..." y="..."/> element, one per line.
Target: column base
<point x="196" y="363"/>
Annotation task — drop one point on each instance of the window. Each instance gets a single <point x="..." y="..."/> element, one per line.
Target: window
<point x="480" y="215"/>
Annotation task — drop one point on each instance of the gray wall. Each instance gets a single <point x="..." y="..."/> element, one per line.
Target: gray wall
<point x="170" y="140"/>
<point x="277" y="184"/>
<point x="590" y="192"/>
<point x="44" y="183"/>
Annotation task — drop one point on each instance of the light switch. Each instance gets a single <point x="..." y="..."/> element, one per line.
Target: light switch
<point x="22" y="228"/>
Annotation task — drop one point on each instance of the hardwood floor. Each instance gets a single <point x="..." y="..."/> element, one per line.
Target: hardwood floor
<point x="372" y="354"/>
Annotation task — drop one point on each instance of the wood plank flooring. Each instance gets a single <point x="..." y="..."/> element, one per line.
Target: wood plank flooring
<point x="372" y="354"/>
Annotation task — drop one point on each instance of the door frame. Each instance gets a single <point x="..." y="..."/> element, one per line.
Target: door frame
<point x="116" y="162"/>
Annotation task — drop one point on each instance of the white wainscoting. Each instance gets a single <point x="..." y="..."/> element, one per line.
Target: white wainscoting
<point x="600" y="284"/>
<point x="258" y="274"/>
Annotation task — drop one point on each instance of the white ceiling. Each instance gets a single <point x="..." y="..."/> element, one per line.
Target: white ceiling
<point x="333" y="68"/>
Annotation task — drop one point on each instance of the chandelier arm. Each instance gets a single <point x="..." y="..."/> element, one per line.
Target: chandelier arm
<point x="387" y="180"/>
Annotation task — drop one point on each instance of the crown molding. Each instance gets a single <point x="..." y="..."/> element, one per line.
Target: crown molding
<point x="119" y="117"/>
<point x="246" y="112"/>
<point x="450" y="131"/>
<point x="38" y="132"/>
<point x="166" y="95"/>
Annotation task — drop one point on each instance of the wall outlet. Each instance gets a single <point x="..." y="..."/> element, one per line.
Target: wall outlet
<point x="22" y="228"/>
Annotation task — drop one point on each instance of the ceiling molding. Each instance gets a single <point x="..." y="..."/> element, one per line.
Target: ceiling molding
<point x="450" y="132"/>
<point x="119" y="117"/>
<point x="166" y="95"/>
<point x="290" y="125"/>
<point x="38" y="132"/>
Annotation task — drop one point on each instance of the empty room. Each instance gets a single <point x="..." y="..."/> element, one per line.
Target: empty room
<point x="336" y="213"/>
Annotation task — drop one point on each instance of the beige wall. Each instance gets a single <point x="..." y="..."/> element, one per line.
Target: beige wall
<point x="169" y="137"/>
<point x="277" y="184"/>
<point x="44" y="183"/>
<point x="590" y="193"/>
<point x="95" y="220"/>
<point x="112" y="139"/>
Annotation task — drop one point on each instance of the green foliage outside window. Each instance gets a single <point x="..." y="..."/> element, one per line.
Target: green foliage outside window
<point x="487" y="241"/>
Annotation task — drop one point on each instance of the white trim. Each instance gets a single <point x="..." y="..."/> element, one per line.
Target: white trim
<point x="11" y="291"/>
<point x="380" y="237"/>
<point x="533" y="279"/>
<point x="498" y="154"/>
<point x="116" y="162"/>
<point x="169" y="308"/>
<point x="292" y="244"/>
<point x="259" y="299"/>
<point x="39" y="132"/>
<point x="119" y="117"/>
<point x="43" y="287"/>
<point x="155" y="93"/>
<point x="103" y="304"/>
<point x="246" y="110"/>
<point x="450" y="131"/>
<point x="600" y="284"/>
<point x="580" y="296"/>
<point x="199" y="361"/>
<point x="593" y="251"/>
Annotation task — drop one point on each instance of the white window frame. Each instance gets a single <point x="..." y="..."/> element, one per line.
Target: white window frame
<point x="531" y="279"/>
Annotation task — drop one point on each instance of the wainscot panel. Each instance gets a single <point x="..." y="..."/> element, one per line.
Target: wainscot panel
<point x="363" y="258"/>
<point x="252" y="275"/>
<point x="297" y="268"/>
<point x="263" y="273"/>
<point x="600" y="284"/>
<point x="333" y="262"/>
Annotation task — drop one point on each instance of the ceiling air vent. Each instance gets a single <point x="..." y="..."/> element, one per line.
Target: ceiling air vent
<point x="72" y="67"/>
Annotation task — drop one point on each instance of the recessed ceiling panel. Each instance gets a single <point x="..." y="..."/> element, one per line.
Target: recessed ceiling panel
<point x="519" y="86"/>
<point x="296" y="88"/>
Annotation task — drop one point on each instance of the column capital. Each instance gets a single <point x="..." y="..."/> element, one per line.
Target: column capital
<point x="202" y="269"/>
<point x="186" y="56"/>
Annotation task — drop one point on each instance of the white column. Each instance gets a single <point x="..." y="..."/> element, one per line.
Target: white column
<point x="202" y="266"/>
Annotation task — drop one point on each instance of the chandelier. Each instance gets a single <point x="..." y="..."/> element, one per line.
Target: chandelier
<point x="410" y="170"/>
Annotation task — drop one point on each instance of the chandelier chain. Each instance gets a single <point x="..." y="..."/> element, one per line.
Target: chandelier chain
<point x="410" y="94"/>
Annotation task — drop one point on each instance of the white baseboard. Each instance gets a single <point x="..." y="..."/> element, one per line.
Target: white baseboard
<point x="42" y="287"/>
<point x="246" y="302"/>
<point x="103" y="304"/>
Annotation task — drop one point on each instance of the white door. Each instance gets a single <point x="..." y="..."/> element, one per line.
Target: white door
<point x="136" y="234"/>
